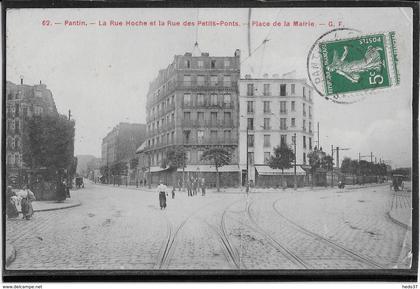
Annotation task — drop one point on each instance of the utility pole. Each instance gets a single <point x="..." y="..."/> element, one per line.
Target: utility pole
<point x="247" y="161"/>
<point x="338" y="155"/>
<point x="69" y="114"/>
<point x="318" y="133"/>
<point x="371" y="157"/>
<point x="332" y="168"/>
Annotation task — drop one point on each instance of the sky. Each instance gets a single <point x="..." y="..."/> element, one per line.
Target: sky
<point x="102" y="73"/>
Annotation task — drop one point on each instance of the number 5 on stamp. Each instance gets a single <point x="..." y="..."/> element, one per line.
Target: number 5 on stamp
<point x="362" y="63"/>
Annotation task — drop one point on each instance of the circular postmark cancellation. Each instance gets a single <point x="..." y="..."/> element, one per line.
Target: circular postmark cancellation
<point x="344" y="65"/>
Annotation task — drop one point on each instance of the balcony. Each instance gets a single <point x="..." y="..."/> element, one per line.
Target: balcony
<point x="283" y="128"/>
<point x="228" y="123"/>
<point x="206" y="85"/>
<point x="283" y="111"/>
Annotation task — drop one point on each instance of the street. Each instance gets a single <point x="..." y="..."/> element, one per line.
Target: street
<point x="124" y="228"/>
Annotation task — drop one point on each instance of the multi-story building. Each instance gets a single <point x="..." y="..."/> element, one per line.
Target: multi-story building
<point x="274" y="111"/>
<point x="121" y="143"/>
<point x="22" y="102"/>
<point x="194" y="103"/>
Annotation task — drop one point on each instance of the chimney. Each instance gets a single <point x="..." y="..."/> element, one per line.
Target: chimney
<point x="188" y="54"/>
<point x="275" y="75"/>
<point x="205" y="54"/>
<point x="237" y="52"/>
<point x="21" y="80"/>
<point x="265" y="75"/>
<point x="40" y="82"/>
<point x="247" y="76"/>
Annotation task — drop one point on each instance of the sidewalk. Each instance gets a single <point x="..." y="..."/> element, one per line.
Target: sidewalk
<point x="41" y="206"/>
<point x="401" y="216"/>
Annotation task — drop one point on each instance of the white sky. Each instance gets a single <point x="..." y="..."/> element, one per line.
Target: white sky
<point x="102" y="73"/>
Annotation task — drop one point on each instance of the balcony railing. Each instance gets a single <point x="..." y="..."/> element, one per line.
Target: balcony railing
<point x="207" y="123"/>
<point x="207" y="104"/>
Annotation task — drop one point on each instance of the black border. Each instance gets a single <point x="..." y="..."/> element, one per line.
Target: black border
<point x="396" y="275"/>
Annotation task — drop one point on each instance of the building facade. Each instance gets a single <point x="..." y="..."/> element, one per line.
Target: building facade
<point x="193" y="103"/>
<point x="274" y="111"/>
<point x="22" y="102"/>
<point x="121" y="143"/>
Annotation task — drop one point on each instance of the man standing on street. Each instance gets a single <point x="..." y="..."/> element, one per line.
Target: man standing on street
<point x="162" y="195"/>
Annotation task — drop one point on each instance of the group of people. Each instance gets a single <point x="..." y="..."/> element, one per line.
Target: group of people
<point x="194" y="185"/>
<point x="24" y="198"/>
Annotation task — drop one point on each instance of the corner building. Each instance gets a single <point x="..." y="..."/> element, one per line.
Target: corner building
<point x="194" y="103"/>
<point x="272" y="111"/>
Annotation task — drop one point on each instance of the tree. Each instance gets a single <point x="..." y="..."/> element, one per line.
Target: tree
<point x="48" y="142"/>
<point x="105" y="170"/>
<point x="346" y="166"/>
<point x="282" y="159"/>
<point x="219" y="157"/>
<point x="176" y="158"/>
<point x="134" y="163"/>
<point x="327" y="163"/>
<point x="314" y="162"/>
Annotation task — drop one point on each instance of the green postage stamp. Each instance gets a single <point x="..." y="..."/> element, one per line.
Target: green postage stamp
<point x="365" y="62"/>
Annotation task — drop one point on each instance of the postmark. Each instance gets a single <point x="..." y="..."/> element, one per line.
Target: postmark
<point x="344" y="65"/>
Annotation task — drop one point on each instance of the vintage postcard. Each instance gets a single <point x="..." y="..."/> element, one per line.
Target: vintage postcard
<point x="226" y="139"/>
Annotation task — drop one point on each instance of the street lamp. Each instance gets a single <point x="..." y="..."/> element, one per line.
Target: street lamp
<point x="247" y="161"/>
<point x="295" y="181"/>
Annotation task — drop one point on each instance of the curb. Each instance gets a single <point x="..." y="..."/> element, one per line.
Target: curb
<point x="12" y="256"/>
<point x="57" y="208"/>
<point x="405" y="226"/>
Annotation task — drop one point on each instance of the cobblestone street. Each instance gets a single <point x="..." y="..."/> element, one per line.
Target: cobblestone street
<point x="124" y="228"/>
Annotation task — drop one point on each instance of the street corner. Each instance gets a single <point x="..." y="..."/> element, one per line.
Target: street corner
<point x="42" y="206"/>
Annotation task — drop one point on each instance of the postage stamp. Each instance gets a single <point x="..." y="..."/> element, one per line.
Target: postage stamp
<point x="365" y="62"/>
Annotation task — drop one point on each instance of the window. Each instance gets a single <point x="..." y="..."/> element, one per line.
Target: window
<point x="304" y="125"/>
<point x="213" y="99"/>
<point x="266" y="91"/>
<point x="266" y="123"/>
<point x="250" y="124"/>
<point x="304" y="109"/>
<point x="304" y="158"/>
<point x="227" y="136"/>
<point x="186" y="136"/>
<point x="283" y="108"/>
<point x="167" y="138"/>
<point x="187" y="64"/>
<point x="200" y="99"/>
<point x="266" y="157"/>
<point x="213" y="117"/>
<point x="10" y="143"/>
<point x="153" y="142"/>
<point x="250" y="89"/>
<point x="172" y="137"/>
<point x="283" y="139"/>
<point x="293" y="122"/>
<point x="173" y="99"/>
<point x="227" y="63"/>
<point x="282" y="89"/>
<point x="251" y="158"/>
<point x="213" y="64"/>
<point x="17" y="109"/>
<point x="292" y="106"/>
<point x="187" y="80"/>
<point x="310" y="111"/>
<point x="227" y="118"/>
<point x="200" y="80"/>
<point x="200" y="136"/>
<point x="283" y="124"/>
<point x="187" y="99"/>
<point x="266" y="106"/>
<point x="213" y="80"/>
<point x="303" y="92"/>
<point x="310" y="126"/>
<point x="187" y="116"/>
<point x="266" y="140"/>
<point x="294" y="139"/>
<point x="226" y="80"/>
<point x="226" y="100"/>
<point x="310" y="143"/>
<point x="200" y="116"/>
<point x="213" y="135"/>
<point x="251" y="140"/>
<point x="188" y="155"/>
<point x="10" y="96"/>
<point x="17" y="157"/>
<point x="157" y="124"/>
<point x="200" y="64"/>
<point x="17" y="126"/>
<point x="304" y="142"/>
<point x="250" y="106"/>
<point x="292" y="87"/>
<point x="199" y="155"/>
<point x="173" y="117"/>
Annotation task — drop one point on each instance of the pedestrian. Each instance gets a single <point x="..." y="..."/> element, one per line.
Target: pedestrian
<point x="162" y="195"/>
<point x="203" y="187"/>
<point x="179" y="184"/>
<point x="195" y="185"/>
<point x="11" y="199"/>
<point x="189" y="189"/>
<point x="61" y="191"/>
<point x="26" y="204"/>
<point x="173" y="192"/>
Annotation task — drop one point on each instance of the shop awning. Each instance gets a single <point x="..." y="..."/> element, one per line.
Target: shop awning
<point x="210" y="168"/>
<point x="267" y="171"/>
<point x="157" y="169"/>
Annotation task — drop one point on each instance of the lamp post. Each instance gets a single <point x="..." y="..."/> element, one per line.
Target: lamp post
<point x="295" y="180"/>
<point x="247" y="161"/>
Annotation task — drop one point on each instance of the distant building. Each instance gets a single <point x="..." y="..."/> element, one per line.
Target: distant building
<point x="193" y="103"/>
<point x="121" y="143"/>
<point x="22" y="102"/>
<point x="273" y="111"/>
